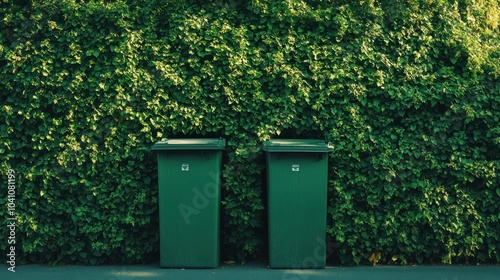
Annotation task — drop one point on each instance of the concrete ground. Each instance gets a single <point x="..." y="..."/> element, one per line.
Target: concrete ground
<point x="251" y="272"/>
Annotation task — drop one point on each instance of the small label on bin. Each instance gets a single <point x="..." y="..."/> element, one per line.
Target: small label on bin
<point x="185" y="167"/>
<point x="295" y="167"/>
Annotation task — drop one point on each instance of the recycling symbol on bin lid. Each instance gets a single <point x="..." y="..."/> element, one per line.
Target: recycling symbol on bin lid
<point x="185" y="167"/>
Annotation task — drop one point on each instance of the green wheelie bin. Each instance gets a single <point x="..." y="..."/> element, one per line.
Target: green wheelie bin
<point x="297" y="198"/>
<point x="189" y="201"/>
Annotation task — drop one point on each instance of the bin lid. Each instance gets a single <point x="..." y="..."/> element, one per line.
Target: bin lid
<point x="190" y="144"/>
<point x="297" y="145"/>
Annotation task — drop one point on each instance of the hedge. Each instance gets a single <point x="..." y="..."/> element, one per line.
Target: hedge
<point x="407" y="91"/>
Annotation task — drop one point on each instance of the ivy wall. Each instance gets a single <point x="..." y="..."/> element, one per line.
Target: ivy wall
<point x="407" y="91"/>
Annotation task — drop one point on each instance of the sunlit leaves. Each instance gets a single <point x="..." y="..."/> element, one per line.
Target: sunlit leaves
<point x="406" y="91"/>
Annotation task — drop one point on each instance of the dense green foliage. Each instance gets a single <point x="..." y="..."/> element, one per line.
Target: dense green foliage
<point x="407" y="91"/>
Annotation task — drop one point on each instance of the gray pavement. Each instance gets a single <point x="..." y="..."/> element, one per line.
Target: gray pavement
<point x="252" y="272"/>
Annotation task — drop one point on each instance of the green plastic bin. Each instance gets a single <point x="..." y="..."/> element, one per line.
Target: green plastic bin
<point x="297" y="188"/>
<point x="189" y="199"/>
